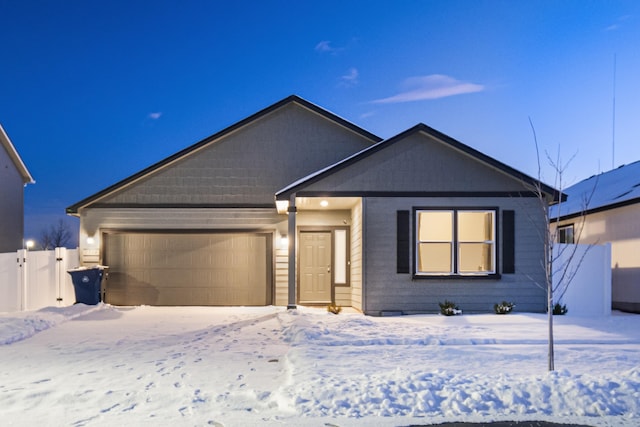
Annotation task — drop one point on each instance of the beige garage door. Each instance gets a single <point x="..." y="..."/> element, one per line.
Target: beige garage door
<point x="188" y="269"/>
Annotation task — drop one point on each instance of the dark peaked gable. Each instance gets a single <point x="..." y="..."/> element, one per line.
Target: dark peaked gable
<point x="154" y="169"/>
<point x="302" y="186"/>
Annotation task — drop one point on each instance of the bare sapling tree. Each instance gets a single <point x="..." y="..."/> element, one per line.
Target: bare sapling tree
<point x="560" y="262"/>
<point x="57" y="235"/>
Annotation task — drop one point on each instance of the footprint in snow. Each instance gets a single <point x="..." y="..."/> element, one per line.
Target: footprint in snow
<point x="109" y="408"/>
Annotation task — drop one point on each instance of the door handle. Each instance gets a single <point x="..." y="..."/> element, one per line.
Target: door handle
<point x="328" y="269"/>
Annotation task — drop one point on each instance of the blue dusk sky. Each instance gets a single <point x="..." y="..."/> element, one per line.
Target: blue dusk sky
<point x="94" y="91"/>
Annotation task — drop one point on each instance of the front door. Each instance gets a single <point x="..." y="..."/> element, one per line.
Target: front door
<point x="315" y="267"/>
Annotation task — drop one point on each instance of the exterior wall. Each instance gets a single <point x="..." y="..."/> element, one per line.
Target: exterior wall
<point x="385" y="290"/>
<point x="621" y="228"/>
<point x="281" y="294"/>
<point x="247" y="166"/>
<point x="11" y="204"/>
<point x="95" y="221"/>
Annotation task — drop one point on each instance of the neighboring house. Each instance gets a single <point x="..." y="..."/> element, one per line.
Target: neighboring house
<point x="13" y="178"/>
<point x="605" y="208"/>
<point x="220" y="222"/>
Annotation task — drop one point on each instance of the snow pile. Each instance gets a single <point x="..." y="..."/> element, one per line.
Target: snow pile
<point x="400" y="374"/>
<point x="240" y="366"/>
<point x="18" y="326"/>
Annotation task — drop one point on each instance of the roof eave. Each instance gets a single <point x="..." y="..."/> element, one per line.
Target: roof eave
<point x="15" y="157"/>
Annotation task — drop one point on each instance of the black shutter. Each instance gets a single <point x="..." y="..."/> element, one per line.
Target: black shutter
<point x="402" y="241"/>
<point x="508" y="242"/>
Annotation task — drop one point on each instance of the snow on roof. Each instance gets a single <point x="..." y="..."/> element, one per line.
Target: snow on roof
<point x="605" y="190"/>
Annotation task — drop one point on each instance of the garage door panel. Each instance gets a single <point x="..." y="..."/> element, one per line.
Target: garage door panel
<point x="188" y="269"/>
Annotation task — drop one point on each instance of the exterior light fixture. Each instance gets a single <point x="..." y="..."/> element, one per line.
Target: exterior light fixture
<point x="29" y="244"/>
<point x="282" y="205"/>
<point x="324" y="203"/>
<point x="90" y="240"/>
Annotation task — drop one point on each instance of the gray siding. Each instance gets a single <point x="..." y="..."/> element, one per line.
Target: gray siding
<point x="249" y="165"/>
<point x="388" y="291"/>
<point x="11" y="204"/>
<point x="418" y="163"/>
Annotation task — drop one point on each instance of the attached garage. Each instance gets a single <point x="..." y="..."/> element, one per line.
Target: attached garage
<point x="205" y="269"/>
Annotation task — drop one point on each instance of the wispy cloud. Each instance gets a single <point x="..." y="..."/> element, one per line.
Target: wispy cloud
<point x="351" y="78"/>
<point x="433" y="86"/>
<point x="367" y="114"/>
<point x="325" y="46"/>
<point x="155" y="116"/>
<point x="618" y="24"/>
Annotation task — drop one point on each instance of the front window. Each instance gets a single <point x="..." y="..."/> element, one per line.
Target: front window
<point x="455" y="242"/>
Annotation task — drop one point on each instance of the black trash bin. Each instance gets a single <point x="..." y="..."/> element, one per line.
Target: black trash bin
<point x="87" y="284"/>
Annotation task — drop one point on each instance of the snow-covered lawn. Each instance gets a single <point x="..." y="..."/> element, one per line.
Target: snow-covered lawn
<point x="195" y="366"/>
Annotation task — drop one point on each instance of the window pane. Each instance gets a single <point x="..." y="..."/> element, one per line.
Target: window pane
<point x="435" y="226"/>
<point x="434" y="258"/>
<point x="340" y="257"/>
<point x="475" y="226"/>
<point x="565" y="234"/>
<point x="475" y="258"/>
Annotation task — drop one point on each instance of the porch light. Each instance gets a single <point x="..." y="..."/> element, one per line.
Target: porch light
<point x="324" y="203"/>
<point x="29" y="244"/>
<point x="282" y="206"/>
<point x="283" y="241"/>
<point x="90" y="240"/>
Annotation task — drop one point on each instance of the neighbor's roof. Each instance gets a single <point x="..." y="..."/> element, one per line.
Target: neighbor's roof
<point x="445" y="139"/>
<point x="73" y="209"/>
<point x="13" y="154"/>
<point x="607" y="190"/>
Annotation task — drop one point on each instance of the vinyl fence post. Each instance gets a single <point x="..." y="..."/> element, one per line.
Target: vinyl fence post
<point x="61" y="267"/>
<point x="22" y="278"/>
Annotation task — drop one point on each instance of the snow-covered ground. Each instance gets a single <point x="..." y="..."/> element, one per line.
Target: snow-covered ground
<point x="195" y="366"/>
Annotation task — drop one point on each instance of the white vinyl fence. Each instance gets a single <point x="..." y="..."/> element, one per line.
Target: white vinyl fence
<point x="589" y="293"/>
<point x="30" y="280"/>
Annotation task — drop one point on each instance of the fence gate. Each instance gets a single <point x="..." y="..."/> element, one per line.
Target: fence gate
<point x="30" y="280"/>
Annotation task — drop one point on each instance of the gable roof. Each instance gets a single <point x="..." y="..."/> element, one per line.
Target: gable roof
<point x="13" y="155"/>
<point x="284" y="193"/>
<point x="608" y="190"/>
<point x="73" y="209"/>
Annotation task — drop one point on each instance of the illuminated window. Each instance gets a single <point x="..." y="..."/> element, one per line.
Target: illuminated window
<point x="455" y="242"/>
